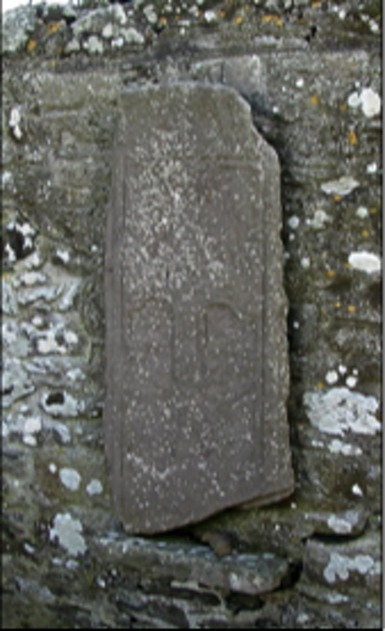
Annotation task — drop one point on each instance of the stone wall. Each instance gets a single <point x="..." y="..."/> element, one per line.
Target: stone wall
<point x="310" y="71"/>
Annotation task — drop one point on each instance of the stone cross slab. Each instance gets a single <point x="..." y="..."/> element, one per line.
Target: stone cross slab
<point x="197" y="367"/>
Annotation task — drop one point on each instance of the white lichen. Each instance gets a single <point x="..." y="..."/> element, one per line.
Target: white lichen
<point x="369" y="101"/>
<point x="343" y="186"/>
<point x="331" y="377"/>
<point x="351" y="381"/>
<point x="319" y="220"/>
<point x="33" y="425"/>
<point x="343" y="525"/>
<point x="132" y="36"/>
<point x="150" y="13"/>
<point x="339" y="411"/>
<point x="210" y="16"/>
<point x="68" y="532"/>
<point x="32" y="278"/>
<point x="70" y="478"/>
<point x="338" y="447"/>
<point x="94" y="45"/>
<point x="372" y="168"/>
<point x="14" y="122"/>
<point x="71" y="338"/>
<point x="94" y="487"/>
<point x="117" y="43"/>
<point x="118" y="14"/>
<point x="73" y="46"/>
<point x="362" y="212"/>
<point x="63" y="255"/>
<point x="293" y="222"/>
<point x="365" y="262"/>
<point x="340" y="566"/>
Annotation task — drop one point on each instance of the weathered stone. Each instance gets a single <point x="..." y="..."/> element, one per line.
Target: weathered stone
<point x="196" y="566"/>
<point x="314" y="94"/>
<point x="346" y="565"/>
<point x="197" y="372"/>
<point x="16" y="28"/>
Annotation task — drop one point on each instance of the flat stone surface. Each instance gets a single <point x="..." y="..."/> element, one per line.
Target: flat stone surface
<point x="342" y="566"/>
<point x="190" y="565"/>
<point x="197" y="369"/>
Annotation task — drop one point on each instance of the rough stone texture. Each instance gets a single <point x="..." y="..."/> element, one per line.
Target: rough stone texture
<point x="197" y="369"/>
<point x="314" y="89"/>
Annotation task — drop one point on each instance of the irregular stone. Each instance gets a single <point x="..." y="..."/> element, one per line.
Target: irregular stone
<point x="73" y="46"/>
<point x="17" y="26"/>
<point x="16" y="383"/>
<point x="150" y="13"/>
<point x="132" y="36"/>
<point x="245" y="73"/>
<point x="29" y="296"/>
<point x="9" y="298"/>
<point x="353" y="564"/>
<point x="71" y="291"/>
<point x="195" y="415"/>
<point x="93" y="22"/>
<point x="188" y="564"/>
<point x="347" y="523"/>
<point x="94" y="45"/>
<point x="15" y="341"/>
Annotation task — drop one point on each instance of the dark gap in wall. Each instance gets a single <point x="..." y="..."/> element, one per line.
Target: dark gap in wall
<point x="56" y="398"/>
<point x="333" y="539"/>
<point x="239" y="602"/>
<point x="293" y="575"/>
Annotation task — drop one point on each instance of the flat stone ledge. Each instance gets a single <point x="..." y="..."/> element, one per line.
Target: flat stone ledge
<point x="187" y="565"/>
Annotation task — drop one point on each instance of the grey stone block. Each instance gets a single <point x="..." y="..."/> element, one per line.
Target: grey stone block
<point x="197" y="370"/>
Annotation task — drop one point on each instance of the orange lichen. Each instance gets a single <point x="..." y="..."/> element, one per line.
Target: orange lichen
<point x="314" y="100"/>
<point x="337" y="198"/>
<point x="343" y="107"/>
<point x="352" y="309"/>
<point x="330" y="273"/>
<point x="32" y="43"/>
<point x="53" y="27"/>
<point x="238" y="19"/>
<point x="352" y="138"/>
<point x="272" y="19"/>
<point x="337" y="305"/>
<point x="365" y="233"/>
<point x="320" y="385"/>
<point x="162" y="21"/>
